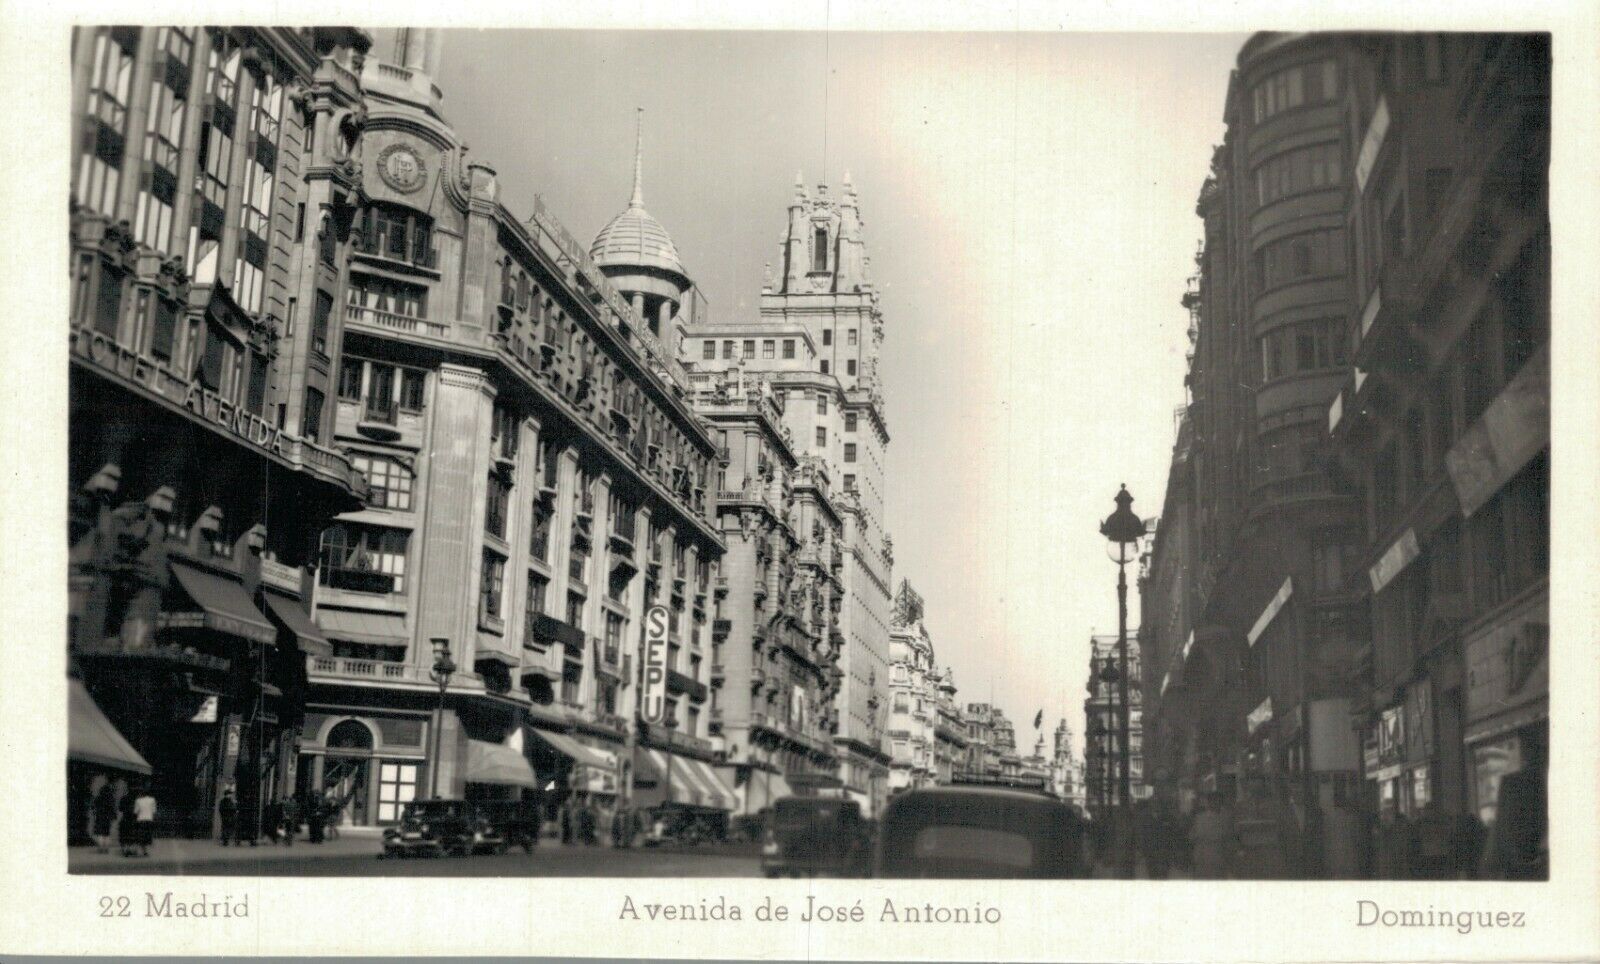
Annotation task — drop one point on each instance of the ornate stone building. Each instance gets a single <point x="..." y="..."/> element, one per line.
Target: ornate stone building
<point x="817" y="341"/>
<point x="913" y="696"/>
<point x="538" y="482"/>
<point x="212" y="197"/>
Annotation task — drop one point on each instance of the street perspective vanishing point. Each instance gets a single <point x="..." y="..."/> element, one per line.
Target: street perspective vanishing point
<point x="412" y="535"/>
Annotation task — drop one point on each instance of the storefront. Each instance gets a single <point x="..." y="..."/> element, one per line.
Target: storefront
<point x="366" y="768"/>
<point x="1508" y="701"/>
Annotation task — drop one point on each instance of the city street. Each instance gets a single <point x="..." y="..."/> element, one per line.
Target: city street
<point x="358" y="857"/>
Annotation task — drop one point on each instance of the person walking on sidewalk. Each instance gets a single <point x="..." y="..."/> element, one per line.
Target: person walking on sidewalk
<point x="228" y="812"/>
<point x="105" y="815"/>
<point x="1214" y="840"/>
<point x="144" y="820"/>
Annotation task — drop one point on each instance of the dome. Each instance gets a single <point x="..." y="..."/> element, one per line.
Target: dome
<point x="635" y="239"/>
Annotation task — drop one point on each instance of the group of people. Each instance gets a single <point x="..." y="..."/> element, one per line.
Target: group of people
<point x="579" y="820"/>
<point x="281" y="820"/>
<point x="1263" y="837"/>
<point x="126" y="812"/>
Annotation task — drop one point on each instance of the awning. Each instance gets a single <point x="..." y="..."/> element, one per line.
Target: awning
<point x="225" y="606"/>
<point x="380" y="629"/>
<point x="500" y="765"/>
<point x="92" y="739"/>
<point x="720" y="793"/>
<point x="764" y="788"/>
<point x="287" y="612"/>
<point x="569" y="747"/>
<point x="653" y="768"/>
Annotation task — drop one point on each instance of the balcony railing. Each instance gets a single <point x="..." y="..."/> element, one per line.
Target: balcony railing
<point x="362" y="315"/>
<point x="344" y="667"/>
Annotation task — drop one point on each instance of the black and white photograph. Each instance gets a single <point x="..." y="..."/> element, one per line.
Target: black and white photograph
<point x="425" y="506"/>
<point x="867" y="472"/>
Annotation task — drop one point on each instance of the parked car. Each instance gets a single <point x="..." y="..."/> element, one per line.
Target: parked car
<point x="510" y="823"/>
<point x="436" y="827"/>
<point x="979" y="831"/>
<point x="684" y="823"/>
<point x="816" y="835"/>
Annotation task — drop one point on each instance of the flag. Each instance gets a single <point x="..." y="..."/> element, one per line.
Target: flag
<point x="1038" y="718"/>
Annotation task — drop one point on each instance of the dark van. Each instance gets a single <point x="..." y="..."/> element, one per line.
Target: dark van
<point x="816" y="835"/>
<point x="979" y="831"/>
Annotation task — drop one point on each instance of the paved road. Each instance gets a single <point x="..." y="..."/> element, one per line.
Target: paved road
<point x="546" y="861"/>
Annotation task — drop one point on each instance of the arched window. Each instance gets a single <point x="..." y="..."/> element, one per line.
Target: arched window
<point x="350" y="735"/>
<point x="819" y="250"/>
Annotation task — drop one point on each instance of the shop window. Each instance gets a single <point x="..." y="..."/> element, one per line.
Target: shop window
<point x="397" y="786"/>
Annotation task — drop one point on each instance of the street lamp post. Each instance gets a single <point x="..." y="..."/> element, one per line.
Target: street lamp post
<point x="671" y="723"/>
<point x="443" y="668"/>
<point x="1123" y="530"/>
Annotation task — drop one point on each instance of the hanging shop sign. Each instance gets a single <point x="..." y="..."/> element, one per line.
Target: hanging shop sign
<point x="654" y="689"/>
<point x="1260" y="716"/>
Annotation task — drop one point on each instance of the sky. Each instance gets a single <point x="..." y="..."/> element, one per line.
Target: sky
<point x="1029" y="212"/>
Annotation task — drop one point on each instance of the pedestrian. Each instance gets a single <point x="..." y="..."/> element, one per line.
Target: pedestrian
<point x="1213" y="839"/>
<point x="105" y="816"/>
<point x="316" y="815"/>
<point x="272" y="820"/>
<point x="291" y="820"/>
<point x="566" y="822"/>
<point x="586" y="824"/>
<point x="332" y="813"/>
<point x="144" y="820"/>
<point x="228" y="812"/>
<point x="1519" y="842"/>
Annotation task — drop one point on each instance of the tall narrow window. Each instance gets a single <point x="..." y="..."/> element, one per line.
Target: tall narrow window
<point x="110" y="83"/>
<point x="819" y="250"/>
<point x="788" y="348"/>
<point x="311" y="428"/>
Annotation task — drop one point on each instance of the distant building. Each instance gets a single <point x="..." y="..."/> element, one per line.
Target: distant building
<point x="1102" y="721"/>
<point x="913" y="696"/>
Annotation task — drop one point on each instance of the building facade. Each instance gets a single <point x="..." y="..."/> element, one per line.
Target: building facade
<point x="817" y="340"/>
<point x="914" y="683"/>
<point x="776" y="641"/>
<point x="949" y="731"/>
<point x="206" y="232"/>
<point x="539" y="482"/>
<point x="1102" y="725"/>
<point x="1066" y="770"/>
<point x="1363" y="616"/>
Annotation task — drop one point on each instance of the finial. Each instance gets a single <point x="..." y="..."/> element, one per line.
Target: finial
<point x="637" y="201"/>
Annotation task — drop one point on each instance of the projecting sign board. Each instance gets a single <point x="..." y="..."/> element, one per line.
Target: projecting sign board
<point x="655" y="665"/>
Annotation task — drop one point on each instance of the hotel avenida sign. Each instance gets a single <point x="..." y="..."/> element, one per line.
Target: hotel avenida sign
<point x="106" y="354"/>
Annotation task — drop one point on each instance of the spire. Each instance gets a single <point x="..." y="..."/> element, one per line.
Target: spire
<point x="637" y="201"/>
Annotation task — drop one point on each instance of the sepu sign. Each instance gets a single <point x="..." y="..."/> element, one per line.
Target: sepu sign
<point x="655" y="665"/>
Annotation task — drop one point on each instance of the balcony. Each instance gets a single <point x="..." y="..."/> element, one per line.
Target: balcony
<point x="548" y="629"/>
<point x="388" y="320"/>
<point x="381" y="671"/>
<point x="719" y="673"/>
<point x="682" y="683"/>
<point x="720" y="628"/>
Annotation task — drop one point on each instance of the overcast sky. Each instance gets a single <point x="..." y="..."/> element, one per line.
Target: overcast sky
<point x="1029" y="208"/>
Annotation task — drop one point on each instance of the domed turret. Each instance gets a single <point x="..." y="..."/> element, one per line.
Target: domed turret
<point x="637" y="254"/>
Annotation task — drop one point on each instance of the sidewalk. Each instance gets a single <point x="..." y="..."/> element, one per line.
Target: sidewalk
<point x="169" y="854"/>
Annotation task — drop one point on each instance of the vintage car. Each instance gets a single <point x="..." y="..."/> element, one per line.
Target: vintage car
<point x="971" y="831"/>
<point x="435" y="827"/>
<point x="510" y="823"/>
<point x="816" y="835"/>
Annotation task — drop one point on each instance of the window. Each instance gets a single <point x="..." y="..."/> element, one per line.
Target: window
<point x="709" y="350"/>
<point x="380" y="395"/>
<point x="110" y="84"/>
<point x="1303" y="84"/>
<point x="411" y="382"/>
<point x="827" y="336"/>
<point x="850" y="337"/>
<point x="727" y="349"/>
<point x="1312" y="254"/>
<point x="824" y="366"/>
<point x="256" y="393"/>
<point x="571" y="680"/>
<point x="390" y="297"/>
<point x="819" y="250"/>
<point x="398" y="234"/>
<point x="491" y="589"/>
<point x="389" y="480"/>
<point x="164" y="335"/>
<point x="822" y="435"/>
<point x="319" y="323"/>
<point x="768" y="348"/>
<point x="1303" y="346"/>
<point x="749" y="348"/>
<point x="350" y="371"/>
<point x="849" y="451"/>
<point x="822" y="404"/>
<point x="363" y="558"/>
<point x="498" y="506"/>
<point x="575" y="603"/>
<point x="537" y="587"/>
<point x="311" y="428"/>
<point x="1296" y="172"/>
<point x="850" y="366"/>
<point x="850" y="421"/>
<point x="397" y="786"/>
<point x="788" y="348"/>
<point x="849" y="482"/>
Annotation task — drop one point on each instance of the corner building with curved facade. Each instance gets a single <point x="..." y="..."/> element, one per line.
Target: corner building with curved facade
<point x="538" y="481"/>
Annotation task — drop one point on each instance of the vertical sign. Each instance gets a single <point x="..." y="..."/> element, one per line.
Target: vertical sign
<point x="655" y="665"/>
